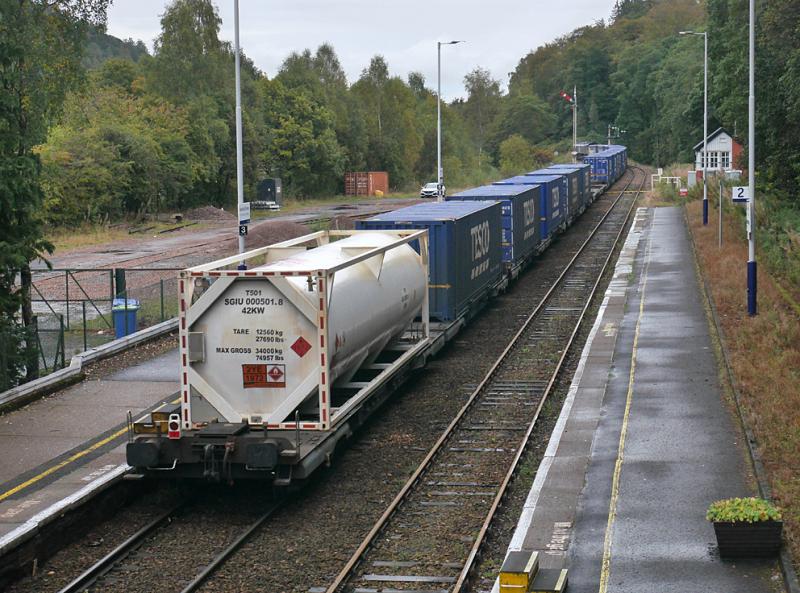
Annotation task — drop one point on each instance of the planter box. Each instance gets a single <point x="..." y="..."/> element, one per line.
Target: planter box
<point x="748" y="540"/>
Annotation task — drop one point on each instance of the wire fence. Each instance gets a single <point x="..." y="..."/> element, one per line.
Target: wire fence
<point x="74" y="312"/>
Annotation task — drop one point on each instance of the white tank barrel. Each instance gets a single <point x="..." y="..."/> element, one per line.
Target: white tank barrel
<point x="257" y="340"/>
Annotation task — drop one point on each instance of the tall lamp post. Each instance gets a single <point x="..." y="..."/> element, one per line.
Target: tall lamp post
<point x="752" y="275"/>
<point x="439" y="170"/>
<point x="239" y="159"/>
<point x="705" y="119"/>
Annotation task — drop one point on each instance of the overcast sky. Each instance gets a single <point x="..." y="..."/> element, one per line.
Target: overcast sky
<point x="498" y="32"/>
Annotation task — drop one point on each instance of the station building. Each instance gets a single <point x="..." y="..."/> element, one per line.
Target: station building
<point x="724" y="152"/>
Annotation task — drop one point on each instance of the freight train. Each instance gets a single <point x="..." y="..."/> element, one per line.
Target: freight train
<point x="283" y="360"/>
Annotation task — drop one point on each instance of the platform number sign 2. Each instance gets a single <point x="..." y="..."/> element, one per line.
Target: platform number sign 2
<point x="741" y="195"/>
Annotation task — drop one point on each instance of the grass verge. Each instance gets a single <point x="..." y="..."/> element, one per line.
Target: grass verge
<point x="764" y="352"/>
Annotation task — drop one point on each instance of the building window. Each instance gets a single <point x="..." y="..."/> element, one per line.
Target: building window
<point x="725" y="160"/>
<point x="713" y="158"/>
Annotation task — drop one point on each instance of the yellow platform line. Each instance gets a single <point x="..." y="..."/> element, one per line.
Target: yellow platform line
<point x="605" y="569"/>
<point x="72" y="459"/>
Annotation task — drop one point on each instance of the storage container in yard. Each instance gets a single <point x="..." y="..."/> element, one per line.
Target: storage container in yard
<point x="520" y="206"/>
<point x="553" y="204"/>
<point x="465" y="251"/>
<point x="366" y="183"/>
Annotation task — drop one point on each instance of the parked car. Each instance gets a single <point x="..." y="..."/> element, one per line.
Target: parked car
<point x="430" y="190"/>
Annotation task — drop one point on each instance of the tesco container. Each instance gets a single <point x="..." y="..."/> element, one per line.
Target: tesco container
<point x="553" y="195"/>
<point x="574" y="205"/>
<point x="579" y="177"/>
<point x="465" y="251"/>
<point x="520" y="207"/>
<point x="366" y="183"/>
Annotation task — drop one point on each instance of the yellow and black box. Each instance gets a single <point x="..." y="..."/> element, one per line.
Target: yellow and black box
<point x="518" y="571"/>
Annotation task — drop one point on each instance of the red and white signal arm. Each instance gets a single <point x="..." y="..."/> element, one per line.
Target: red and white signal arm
<point x="174" y="426"/>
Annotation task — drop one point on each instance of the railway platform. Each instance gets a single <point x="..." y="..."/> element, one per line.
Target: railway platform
<point x="646" y="439"/>
<point x="68" y="445"/>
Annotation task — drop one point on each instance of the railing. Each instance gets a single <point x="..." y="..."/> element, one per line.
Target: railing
<point x="73" y="309"/>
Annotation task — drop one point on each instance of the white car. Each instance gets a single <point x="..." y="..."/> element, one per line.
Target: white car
<point x="430" y="190"/>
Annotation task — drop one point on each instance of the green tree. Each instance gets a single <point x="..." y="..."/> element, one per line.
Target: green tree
<point x="482" y="105"/>
<point x="516" y="155"/>
<point x="41" y="44"/>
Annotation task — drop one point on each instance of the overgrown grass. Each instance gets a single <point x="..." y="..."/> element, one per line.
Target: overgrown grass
<point x="764" y="352"/>
<point x="84" y="236"/>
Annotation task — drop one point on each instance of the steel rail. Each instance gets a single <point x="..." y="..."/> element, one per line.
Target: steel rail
<point x="480" y="540"/>
<point x="105" y="564"/>
<point x="220" y="558"/>
<point x="357" y="556"/>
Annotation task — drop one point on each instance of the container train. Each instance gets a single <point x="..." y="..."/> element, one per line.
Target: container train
<point x="283" y="360"/>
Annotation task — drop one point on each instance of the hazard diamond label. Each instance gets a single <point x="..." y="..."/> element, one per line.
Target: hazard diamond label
<point x="263" y="376"/>
<point x="301" y="346"/>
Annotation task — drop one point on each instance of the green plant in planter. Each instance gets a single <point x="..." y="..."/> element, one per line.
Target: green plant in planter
<point x="746" y="527"/>
<point x="736" y="510"/>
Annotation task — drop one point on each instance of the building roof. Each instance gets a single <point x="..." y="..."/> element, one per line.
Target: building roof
<point x="711" y="137"/>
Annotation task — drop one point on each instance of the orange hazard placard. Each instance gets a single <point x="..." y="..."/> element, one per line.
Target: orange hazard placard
<point x="267" y="376"/>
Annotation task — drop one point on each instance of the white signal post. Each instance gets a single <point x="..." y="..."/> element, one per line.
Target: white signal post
<point x="239" y="158"/>
<point x="575" y="124"/>
<point x="752" y="274"/>
<point x="439" y="170"/>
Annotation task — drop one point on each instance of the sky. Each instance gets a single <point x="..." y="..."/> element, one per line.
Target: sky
<point x="498" y="33"/>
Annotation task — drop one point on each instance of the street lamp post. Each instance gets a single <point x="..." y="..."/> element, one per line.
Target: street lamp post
<point x="705" y="120"/>
<point x="752" y="275"/>
<point x="239" y="159"/>
<point x="439" y="170"/>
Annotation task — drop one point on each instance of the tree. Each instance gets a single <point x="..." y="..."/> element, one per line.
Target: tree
<point x="482" y="104"/>
<point x="41" y="44"/>
<point x="516" y="155"/>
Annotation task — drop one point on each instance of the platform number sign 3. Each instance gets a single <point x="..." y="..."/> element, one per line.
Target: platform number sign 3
<point x="741" y="195"/>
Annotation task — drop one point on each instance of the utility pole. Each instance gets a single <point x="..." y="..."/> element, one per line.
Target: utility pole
<point x="752" y="273"/>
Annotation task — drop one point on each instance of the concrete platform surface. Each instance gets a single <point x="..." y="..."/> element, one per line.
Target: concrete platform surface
<point x="54" y="447"/>
<point x="646" y="440"/>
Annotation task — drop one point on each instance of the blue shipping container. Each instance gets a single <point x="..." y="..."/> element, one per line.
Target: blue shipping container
<point x="584" y="178"/>
<point x="553" y="194"/>
<point x="520" y="207"/>
<point x="574" y="197"/>
<point x="464" y="245"/>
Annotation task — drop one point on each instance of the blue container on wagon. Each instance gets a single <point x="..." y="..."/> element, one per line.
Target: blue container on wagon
<point x="464" y="246"/>
<point x="584" y="176"/>
<point x="572" y="202"/>
<point x="551" y="210"/>
<point x="520" y="206"/>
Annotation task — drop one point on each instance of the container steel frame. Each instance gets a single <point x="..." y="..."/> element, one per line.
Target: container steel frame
<point x="324" y="278"/>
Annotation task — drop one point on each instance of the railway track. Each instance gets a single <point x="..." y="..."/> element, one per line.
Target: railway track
<point x="90" y="579"/>
<point x="431" y="534"/>
<point x="324" y="516"/>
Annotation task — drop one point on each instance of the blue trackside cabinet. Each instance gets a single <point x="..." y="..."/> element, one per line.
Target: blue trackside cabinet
<point x="584" y="176"/>
<point x="464" y="245"/>
<point x="520" y="206"/>
<point x="551" y="208"/>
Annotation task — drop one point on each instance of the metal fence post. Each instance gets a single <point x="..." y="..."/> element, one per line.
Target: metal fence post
<point x="85" y="347"/>
<point x="61" y="343"/>
<point x="162" y="298"/>
<point x="66" y="291"/>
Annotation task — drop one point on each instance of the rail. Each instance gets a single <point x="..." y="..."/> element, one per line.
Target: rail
<point x="349" y="571"/>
